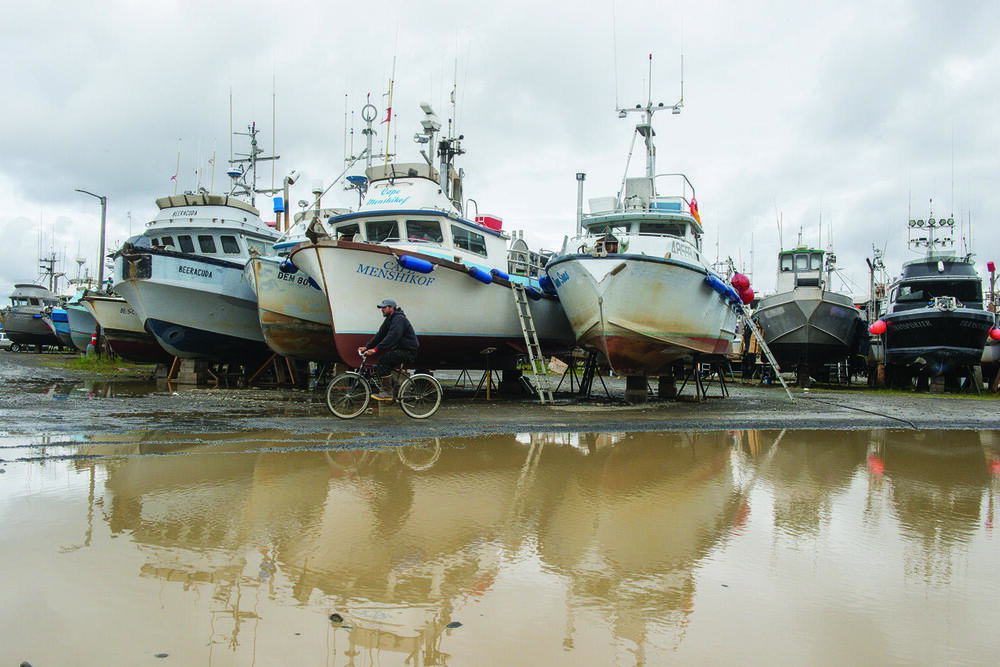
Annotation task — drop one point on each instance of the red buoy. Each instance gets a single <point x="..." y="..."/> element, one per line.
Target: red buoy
<point x="995" y="333"/>
<point x="877" y="327"/>
<point x="739" y="282"/>
<point x="746" y="295"/>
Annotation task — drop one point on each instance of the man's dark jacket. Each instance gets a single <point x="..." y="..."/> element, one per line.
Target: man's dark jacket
<point x="396" y="333"/>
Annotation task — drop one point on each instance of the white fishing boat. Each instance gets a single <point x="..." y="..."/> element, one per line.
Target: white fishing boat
<point x="184" y="277"/>
<point x="122" y="328"/>
<point x="412" y="241"/>
<point x="633" y="280"/>
<point x="82" y="324"/>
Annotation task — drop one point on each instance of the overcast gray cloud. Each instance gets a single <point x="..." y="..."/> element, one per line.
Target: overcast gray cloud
<point x="837" y="110"/>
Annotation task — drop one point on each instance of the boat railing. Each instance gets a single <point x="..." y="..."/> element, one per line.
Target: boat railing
<point x="523" y="262"/>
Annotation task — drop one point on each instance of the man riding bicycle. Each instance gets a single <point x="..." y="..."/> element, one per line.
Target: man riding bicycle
<point x="397" y="342"/>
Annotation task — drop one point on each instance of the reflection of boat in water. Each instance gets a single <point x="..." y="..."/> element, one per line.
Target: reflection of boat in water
<point x="806" y="324"/>
<point x="633" y="280"/>
<point x="393" y="539"/>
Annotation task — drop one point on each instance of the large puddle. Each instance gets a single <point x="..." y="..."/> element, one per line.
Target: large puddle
<point x="752" y="547"/>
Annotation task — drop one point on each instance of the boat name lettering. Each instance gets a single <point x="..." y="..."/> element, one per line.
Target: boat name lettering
<point x="194" y="271"/>
<point x="559" y="277"/>
<point x="682" y="248"/>
<point x="392" y="271"/>
<point x="297" y="279"/>
<point x="972" y="324"/>
<point x="386" y="196"/>
<point x="125" y="310"/>
<point x="922" y="324"/>
<point x="186" y="213"/>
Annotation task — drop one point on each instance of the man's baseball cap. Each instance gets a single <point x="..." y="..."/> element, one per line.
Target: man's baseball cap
<point x="386" y="302"/>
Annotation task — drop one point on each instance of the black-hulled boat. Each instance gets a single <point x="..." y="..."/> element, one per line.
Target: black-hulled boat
<point x="806" y="324"/>
<point x="936" y="323"/>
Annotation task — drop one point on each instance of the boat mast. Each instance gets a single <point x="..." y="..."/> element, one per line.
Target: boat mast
<point x="645" y="126"/>
<point x="238" y="172"/>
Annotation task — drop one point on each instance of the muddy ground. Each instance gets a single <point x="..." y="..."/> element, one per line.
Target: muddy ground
<point x="41" y="400"/>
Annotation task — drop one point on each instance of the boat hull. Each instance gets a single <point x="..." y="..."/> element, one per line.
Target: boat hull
<point x="935" y="341"/>
<point x="643" y="313"/>
<point x="196" y="307"/>
<point x="58" y="323"/>
<point x="82" y="325"/>
<point x="458" y="319"/>
<point x="123" y="330"/>
<point x="27" y="327"/>
<point x="808" y="326"/>
<point x="293" y="311"/>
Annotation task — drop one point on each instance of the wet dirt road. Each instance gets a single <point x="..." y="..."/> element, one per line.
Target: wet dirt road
<point x="39" y="400"/>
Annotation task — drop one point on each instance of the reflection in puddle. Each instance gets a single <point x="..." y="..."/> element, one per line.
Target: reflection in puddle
<point x="61" y="391"/>
<point x="624" y="548"/>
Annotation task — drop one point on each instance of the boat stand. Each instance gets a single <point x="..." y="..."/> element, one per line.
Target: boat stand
<point x="702" y="382"/>
<point x="586" y="383"/>
<point x="487" y="377"/>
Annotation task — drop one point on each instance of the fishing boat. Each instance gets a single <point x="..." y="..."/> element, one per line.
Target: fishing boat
<point x="23" y="319"/>
<point x="805" y="323"/>
<point x="293" y="310"/>
<point x="633" y="280"/>
<point x="82" y="325"/>
<point x="936" y="323"/>
<point x="58" y="323"/>
<point x="122" y="328"/>
<point x="412" y="240"/>
<point x="184" y="277"/>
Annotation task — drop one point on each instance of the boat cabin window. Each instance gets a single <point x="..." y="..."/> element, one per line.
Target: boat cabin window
<point x="186" y="244"/>
<point x="966" y="291"/>
<point x="428" y="231"/>
<point x="801" y="262"/>
<point x="259" y="246"/>
<point x="786" y="263"/>
<point x="207" y="244"/>
<point x="167" y="241"/>
<point x="34" y="302"/>
<point x="469" y="240"/>
<point x="230" y="245"/>
<point x="662" y="228"/>
<point x="380" y="231"/>
<point x="816" y="261"/>
<point x="348" y="231"/>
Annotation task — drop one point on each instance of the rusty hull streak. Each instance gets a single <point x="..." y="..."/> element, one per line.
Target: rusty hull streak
<point x="299" y="339"/>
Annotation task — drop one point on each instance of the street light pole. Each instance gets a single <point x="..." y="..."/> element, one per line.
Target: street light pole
<point x="100" y="259"/>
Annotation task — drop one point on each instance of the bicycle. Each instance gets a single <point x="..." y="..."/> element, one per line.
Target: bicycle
<point x="349" y="393"/>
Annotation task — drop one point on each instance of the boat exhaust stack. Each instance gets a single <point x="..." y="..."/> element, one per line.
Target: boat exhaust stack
<point x="580" y="176"/>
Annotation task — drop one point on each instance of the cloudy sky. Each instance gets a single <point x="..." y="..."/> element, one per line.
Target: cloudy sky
<point x="835" y="111"/>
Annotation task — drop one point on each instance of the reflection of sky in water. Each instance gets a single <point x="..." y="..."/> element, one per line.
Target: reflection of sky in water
<point x="801" y="547"/>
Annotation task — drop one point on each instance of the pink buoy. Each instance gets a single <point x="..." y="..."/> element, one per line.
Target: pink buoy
<point x="739" y="282"/>
<point x="877" y="327"/>
<point x="995" y="333"/>
<point x="746" y="295"/>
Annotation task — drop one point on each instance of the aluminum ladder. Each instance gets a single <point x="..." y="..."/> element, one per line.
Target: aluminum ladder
<point x="538" y="370"/>
<point x="767" y="351"/>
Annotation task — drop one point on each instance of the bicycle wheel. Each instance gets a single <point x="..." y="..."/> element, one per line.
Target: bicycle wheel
<point x="347" y="395"/>
<point x="420" y="396"/>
